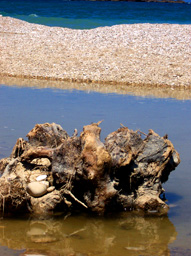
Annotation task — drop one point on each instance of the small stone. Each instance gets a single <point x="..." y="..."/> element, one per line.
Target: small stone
<point x="45" y="182"/>
<point x="36" y="189"/>
<point x="50" y="189"/>
<point x="41" y="177"/>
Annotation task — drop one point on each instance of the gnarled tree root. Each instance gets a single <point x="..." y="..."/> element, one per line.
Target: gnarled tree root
<point x="125" y="172"/>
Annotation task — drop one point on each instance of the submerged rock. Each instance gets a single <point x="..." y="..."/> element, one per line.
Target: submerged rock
<point x="124" y="173"/>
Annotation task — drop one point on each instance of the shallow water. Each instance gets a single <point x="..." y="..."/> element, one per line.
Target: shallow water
<point x="125" y="234"/>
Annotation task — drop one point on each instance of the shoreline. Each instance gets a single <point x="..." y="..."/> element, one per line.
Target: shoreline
<point x="132" y="55"/>
<point x="134" y="90"/>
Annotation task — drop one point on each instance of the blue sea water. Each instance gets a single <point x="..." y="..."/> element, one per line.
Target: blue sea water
<point x="91" y="14"/>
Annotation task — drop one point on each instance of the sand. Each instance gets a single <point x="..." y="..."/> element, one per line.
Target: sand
<point x="155" y="55"/>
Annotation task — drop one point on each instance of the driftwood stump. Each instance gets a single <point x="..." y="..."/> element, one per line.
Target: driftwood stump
<point x="81" y="173"/>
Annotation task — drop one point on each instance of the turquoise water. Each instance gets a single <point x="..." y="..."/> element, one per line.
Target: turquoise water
<point x="91" y="14"/>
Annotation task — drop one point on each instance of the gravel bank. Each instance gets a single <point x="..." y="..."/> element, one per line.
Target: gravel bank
<point x="136" y="54"/>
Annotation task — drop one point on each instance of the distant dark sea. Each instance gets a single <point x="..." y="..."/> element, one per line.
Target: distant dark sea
<point x="91" y="14"/>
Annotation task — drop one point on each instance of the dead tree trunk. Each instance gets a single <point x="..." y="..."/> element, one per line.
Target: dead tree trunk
<point x="52" y="171"/>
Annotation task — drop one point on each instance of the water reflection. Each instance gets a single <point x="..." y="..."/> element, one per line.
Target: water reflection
<point x="158" y="92"/>
<point x="124" y="235"/>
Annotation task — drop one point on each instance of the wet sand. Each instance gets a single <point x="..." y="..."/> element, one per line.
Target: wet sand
<point x="144" y="55"/>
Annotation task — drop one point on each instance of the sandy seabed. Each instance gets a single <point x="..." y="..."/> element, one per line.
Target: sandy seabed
<point x="152" y="55"/>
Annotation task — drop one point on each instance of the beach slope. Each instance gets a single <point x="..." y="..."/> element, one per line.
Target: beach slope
<point x="134" y="54"/>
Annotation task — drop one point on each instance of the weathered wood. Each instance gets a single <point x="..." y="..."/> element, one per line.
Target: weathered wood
<point x="125" y="172"/>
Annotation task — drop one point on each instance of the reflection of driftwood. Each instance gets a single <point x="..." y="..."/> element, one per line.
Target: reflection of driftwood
<point x="124" y="173"/>
<point x="128" y="234"/>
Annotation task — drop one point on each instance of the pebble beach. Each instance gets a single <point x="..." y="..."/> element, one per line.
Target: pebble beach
<point x="148" y="55"/>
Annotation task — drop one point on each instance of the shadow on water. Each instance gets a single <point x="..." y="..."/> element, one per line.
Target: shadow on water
<point x="125" y="234"/>
<point x="172" y="200"/>
<point x="173" y="197"/>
